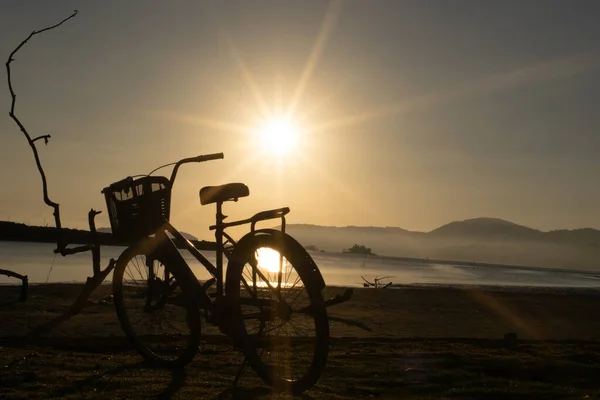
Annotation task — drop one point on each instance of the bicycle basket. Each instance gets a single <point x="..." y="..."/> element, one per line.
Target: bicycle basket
<point x="137" y="208"/>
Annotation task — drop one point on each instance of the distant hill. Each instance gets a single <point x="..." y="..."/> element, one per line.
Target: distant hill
<point x="482" y="240"/>
<point x="486" y="227"/>
<point x="18" y="232"/>
<point x="485" y="240"/>
<point x="495" y="228"/>
<point x="583" y="237"/>
<point x="382" y="240"/>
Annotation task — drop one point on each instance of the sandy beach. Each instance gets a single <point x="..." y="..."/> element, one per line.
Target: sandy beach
<point x="421" y="342"/>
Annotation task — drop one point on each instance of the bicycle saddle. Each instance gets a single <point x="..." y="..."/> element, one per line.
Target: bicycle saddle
<point x="221" y="193"/>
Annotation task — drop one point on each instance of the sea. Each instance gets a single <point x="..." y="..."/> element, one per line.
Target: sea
<point x="41" y="265"/>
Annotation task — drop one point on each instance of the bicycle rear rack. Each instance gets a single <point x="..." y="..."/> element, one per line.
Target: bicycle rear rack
<point x="261" y="216"/>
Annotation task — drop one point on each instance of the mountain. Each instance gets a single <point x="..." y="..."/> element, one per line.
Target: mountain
<point x="584" y="236"/>
<point x="486" y="240"/>
<point x="483" y="240"/>
<point x="486" y="227"/>
<point x="18" y="232"/>
<point x="383" y="240"/>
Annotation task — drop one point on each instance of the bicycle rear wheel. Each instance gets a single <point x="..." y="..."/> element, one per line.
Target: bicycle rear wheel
<point x="155" y="303"/>
<point x="281" y="317"/>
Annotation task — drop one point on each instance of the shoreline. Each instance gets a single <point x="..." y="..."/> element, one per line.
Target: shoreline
<point x="555" y="289"/>
<point x="474" y="264"/>
<point x="204" y="245"/>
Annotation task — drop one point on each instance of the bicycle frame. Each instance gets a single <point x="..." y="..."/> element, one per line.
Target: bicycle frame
<point x="222" y="304"/>
<point x="169" y="236"/>
<point x="177" y="240"/>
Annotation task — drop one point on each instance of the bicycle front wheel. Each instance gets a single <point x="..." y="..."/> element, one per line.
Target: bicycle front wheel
<point x="274" y="289"/>
<point x="155" y="304"/>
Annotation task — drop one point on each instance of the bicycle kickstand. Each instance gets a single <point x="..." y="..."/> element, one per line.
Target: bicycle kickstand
<point x="239" y="374"/>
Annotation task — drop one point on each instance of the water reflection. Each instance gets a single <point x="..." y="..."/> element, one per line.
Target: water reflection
<point x="36" y="259"/>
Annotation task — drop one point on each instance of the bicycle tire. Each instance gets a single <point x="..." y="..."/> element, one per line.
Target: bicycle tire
<point x="182" y="278"/>
<point x="292" y="252"/>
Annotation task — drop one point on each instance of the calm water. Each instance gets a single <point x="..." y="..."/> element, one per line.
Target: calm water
<point x="36" y="259"/>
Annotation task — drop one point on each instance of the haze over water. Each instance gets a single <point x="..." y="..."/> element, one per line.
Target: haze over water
<point x="36" y="259"/>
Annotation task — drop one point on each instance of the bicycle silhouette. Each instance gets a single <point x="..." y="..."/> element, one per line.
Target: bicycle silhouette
<point x="270" y="301"/>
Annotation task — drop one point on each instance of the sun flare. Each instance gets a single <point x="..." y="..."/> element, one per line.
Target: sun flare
<point x="269" y="260"/>
<point x="278" y="136"/>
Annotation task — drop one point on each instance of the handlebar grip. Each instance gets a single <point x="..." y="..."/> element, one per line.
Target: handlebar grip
<point x="209" y="157"/>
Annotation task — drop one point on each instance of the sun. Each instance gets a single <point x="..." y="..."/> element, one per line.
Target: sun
<point x="270" y="260"/>
<point x="278" y="136"/>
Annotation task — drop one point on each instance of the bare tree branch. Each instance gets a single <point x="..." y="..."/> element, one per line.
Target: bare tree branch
<point x="366" y="281"/>
<point x="376" y="283"/>
<point x="61" y="245"/>
<point x="90" y="285"/>
<point x="24" y="282"/>
<point x="45" y="137"/>
<point x="95" y="245"/>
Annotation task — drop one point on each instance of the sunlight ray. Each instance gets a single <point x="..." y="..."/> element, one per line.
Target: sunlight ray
<point x="248" y="78"/>
<point x="308" y="113"/>
<point x="206" y="122"/>
<point x="507" y="314"/>
<point x="239" y="106"/>
<point x="278" y="105"/>
<point x="327" y="25"/>
<point x="351" y="195"/>
<point x="529" y="75"/>
<point x="279" y="179"/>
<point x="249" y="159"/>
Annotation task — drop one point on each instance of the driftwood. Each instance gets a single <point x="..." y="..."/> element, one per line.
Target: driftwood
<point x="62" y="245"/>
<point x="339" y="298"/>
<point x="24" y="282"/>
<point x="376" y="282"/>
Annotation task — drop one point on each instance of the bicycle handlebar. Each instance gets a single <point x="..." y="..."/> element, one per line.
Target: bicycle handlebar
<point x="202" y="158"/>
<point x="127" y="182"/>
<point x="207" y="157"/>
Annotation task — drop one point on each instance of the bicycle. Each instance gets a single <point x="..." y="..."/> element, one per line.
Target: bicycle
<point x="255" y="304"/>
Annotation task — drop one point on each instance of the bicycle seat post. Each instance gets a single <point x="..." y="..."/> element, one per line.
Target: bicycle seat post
<point x="220" y="217"/>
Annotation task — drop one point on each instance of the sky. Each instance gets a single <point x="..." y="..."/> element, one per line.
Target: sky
<point x="407" y="113"/>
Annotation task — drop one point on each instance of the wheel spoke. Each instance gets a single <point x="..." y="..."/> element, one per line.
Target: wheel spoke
<point x="154" y="310"/>
<point x="284" y="339"/>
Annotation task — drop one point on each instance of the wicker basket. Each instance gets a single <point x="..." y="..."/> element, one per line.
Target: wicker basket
<point x="138" y="207"/>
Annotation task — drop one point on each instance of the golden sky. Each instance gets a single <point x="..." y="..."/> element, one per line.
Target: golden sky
<point x="409" y="114"/>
